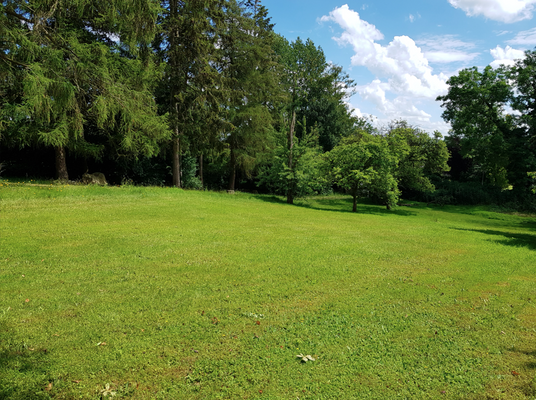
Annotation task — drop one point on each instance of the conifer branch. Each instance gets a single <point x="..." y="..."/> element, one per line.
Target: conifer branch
<point x="5" y="58"/>
<point x="16" y="15"/>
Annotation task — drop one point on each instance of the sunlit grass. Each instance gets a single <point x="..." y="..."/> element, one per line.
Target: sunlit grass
<point x="163" y="293"/>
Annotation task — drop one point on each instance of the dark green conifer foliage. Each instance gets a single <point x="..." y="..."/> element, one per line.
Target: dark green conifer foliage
<point x="187" y="44"/>
<point x="64" y="64"/>
<point x="249" y="69"/>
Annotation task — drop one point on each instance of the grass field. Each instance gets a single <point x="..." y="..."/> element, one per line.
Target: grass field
<point x="155" y="293"/>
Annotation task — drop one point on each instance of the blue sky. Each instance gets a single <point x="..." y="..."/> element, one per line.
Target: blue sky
<point x="400" y="53"/>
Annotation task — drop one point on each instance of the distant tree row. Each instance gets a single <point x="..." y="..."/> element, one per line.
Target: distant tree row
<point x="203" y="94"/>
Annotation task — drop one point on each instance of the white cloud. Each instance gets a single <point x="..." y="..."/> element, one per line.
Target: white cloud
<point x="446" y="49"/>
<point x="506" y="56"/>
<point x="524" y="38"/>
<point x="498" y="10"/>
<point x="401" y="61"/>
<point x="400" y="107"/>
<point x="404" y="79"/>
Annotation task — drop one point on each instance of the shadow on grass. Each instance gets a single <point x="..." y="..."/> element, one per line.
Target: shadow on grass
<point x="509" y="239"/>
<point x="337" y="204"/>
<point x="530" y="353"/>
<point x="21" y="369"/>
<point x="489" y="215"/>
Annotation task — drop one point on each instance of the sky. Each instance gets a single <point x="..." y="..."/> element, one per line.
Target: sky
<point x="401" y="53"/>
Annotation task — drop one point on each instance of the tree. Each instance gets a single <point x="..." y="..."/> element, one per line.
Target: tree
<point x="315" y="91"/>
<point x="364" y="166"/>
<point x="420" y="156"/>
<point x="187" y="44"/>
<point x="523" y="75"/>
<point x="76" y="67"/>
<point x="475" y="106"/>
<point x="248" y="68"/>
<point x="304" y="177"/>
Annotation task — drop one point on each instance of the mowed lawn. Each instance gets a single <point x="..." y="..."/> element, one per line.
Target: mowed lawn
<point x="159" y="293"/>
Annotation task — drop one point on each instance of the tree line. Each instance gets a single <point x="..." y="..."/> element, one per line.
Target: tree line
<point x="204" y="94"/>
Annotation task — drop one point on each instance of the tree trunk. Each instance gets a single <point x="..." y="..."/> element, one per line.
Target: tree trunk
<point x="176" y="161"/>
<point x="201" y="170"/>
<point x="354" y="208"/>
<point x="232" y="168"/>
<point x="61" y="164"/>
<point x="174" y="90"/>
<point x="290" y="189"/>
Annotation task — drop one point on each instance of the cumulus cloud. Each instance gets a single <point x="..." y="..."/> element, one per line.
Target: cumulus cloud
<point x="400" y="107"/>
<point x="401" y="61"/>
<point x="524" y="38"/>
<point x="404" y="77"/>
<point x="446" y="49"/>
<point x="506" y="56"/>
<point x="498" y="10"/>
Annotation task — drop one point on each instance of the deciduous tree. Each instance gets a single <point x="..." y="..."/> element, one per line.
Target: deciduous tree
<point x="364" y="166"/>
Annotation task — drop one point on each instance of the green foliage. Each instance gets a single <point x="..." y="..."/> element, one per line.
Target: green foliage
<point x="65" y="75"/>
<point x="365" y="166"/>
<point x="475" y="107"/>
<point x="249" y="71"/>
<point x="523" y="75"/>
<point x="499" y="145"/>
<point x="189" y="173"/>
<point x="420" y="156"/>
<point x="192" y="90"/>
<point x="306" y="177"/>
<point x="316" y="91"/>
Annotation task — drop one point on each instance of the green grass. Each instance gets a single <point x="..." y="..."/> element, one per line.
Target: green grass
<point x="169" y="294"/>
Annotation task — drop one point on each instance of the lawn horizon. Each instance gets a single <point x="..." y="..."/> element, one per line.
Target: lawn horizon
<point x="165" y="293"/>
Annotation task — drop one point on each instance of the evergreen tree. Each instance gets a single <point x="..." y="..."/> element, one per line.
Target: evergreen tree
<point x="249" y="70"/>
<point x="73" y="65"/>
<point x="188" y="44"/>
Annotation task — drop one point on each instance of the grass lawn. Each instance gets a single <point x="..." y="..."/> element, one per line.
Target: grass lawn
<point x="159" y="293"/>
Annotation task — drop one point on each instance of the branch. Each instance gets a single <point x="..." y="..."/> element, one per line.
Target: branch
<point x="3" y="57"/>
<point x="14" y="14"/>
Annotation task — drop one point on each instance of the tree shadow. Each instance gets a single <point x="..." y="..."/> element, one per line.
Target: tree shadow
<point x="509" y="238"/>
<point x="489" y="216"/>
<point x="338" y="204"/>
